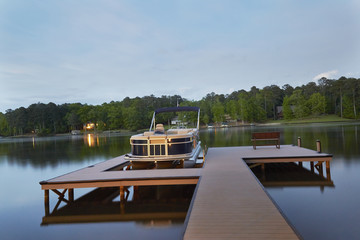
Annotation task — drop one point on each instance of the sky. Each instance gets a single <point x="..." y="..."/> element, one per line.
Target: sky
<point x="88" y="51"/>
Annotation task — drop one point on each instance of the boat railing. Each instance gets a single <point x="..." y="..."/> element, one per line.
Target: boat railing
<point x="163" y="146"/>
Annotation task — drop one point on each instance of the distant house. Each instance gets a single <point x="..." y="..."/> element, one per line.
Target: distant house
<point x="89" y="126"/>
<point x="178" y="122"/>
<point x="227" y="118"/>
<point x="224" y="124"/>
<point x="75" y="132"/>
<point x="175" y="121"/>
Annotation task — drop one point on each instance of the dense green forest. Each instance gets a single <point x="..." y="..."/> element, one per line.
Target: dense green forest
<point x="328" y="96"/>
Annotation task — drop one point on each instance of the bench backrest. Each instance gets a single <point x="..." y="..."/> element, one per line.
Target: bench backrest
<point x="265" y="135"/>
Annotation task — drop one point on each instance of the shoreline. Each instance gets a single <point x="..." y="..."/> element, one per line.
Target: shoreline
<point x="107" y="132"/>
<point x="326" y="119"/>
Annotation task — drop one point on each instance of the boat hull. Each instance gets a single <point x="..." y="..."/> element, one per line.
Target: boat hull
<point x="186" y="157"/>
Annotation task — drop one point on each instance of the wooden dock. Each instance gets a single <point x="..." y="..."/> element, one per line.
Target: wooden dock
<point x="102" y="175"/>
<point x="229" y="201"/>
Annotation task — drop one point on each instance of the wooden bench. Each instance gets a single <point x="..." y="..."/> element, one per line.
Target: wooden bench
<point x="266" y="136"/>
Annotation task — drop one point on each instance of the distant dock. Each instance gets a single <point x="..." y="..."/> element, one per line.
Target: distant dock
<point x="228" y="202"/>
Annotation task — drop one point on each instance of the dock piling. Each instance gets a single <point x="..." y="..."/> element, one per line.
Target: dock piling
<point x="319" y="167"/>
<point x="122" y="194"/>
<point x="318" y="146"/>
<point x="299" y="145"/>
<point x="263" y="171"/>
<point x="71" y="195"/>
<point x="46" y="202"/>
<point x="136" y="193"/>
<point x="312" y="166"/>
<point x="328" y="175"/>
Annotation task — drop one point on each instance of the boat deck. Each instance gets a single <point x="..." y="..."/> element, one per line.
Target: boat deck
<point x="229" y="201"/>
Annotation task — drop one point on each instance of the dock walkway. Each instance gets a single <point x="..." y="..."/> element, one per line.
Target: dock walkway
<point x="231" y="204"/>
<point x="229" y="201"/>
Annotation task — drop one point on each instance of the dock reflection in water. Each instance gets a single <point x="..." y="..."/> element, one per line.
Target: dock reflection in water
<point x="291" y="174"/>
<point x="146" y="205"/>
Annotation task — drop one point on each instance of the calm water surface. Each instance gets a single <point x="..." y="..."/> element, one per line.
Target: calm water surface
<point x="329" y="212"/>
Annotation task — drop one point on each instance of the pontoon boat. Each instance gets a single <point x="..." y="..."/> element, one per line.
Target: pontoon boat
<point x="178" y="143"/>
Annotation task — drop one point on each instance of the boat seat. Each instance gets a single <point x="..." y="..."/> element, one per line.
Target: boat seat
<point x="184" y="131"/>
<point x="148" y="133"/>
<point x="159" y="129"/>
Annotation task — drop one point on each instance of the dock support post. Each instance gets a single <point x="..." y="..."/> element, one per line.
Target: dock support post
<point x="312" y="166"/>
<point x="122" y="194"/>
<point x="299" y="145"/>
<point x="328" y="175"/>
<point x="122" y="200"/>
<point x="263" y="171"/>
<point x="136" y="193"/>
<point x="319" y="167"/>
<point x="71" y="195"/>
<point x="46" y="202"/>
<point x="318" y="146"/>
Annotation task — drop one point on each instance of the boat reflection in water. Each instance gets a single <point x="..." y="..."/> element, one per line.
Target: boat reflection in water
<point x="146" y="205"/>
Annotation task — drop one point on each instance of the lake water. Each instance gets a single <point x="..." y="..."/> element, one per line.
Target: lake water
<point x="317" y="212"/>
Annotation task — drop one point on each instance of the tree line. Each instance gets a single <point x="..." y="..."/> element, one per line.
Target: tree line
<point x="327" y="96"/>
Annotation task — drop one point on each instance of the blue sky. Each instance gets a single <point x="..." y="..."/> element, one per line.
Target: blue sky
<point x="98" y="51"/>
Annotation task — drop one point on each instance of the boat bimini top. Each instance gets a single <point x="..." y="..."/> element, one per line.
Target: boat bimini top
<point x="175" y="109"/>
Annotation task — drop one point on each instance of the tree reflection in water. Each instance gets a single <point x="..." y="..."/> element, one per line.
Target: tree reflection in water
<point x="40" y="152"/>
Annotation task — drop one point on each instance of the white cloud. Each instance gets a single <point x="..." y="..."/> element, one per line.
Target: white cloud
<point x="328" y="74"/>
